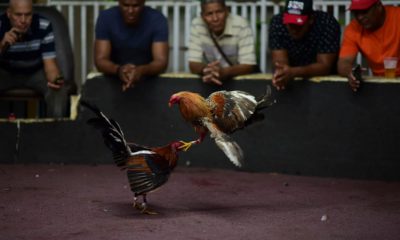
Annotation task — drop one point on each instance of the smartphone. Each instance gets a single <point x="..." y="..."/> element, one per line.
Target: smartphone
<point x="58" y="80"/>
<point x="357" y="72"/>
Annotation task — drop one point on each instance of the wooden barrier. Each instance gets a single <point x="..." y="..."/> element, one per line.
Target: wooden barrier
<point x="317" y="127"/>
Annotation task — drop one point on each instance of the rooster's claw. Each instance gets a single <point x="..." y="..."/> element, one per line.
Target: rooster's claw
<point x="186" y="145"/>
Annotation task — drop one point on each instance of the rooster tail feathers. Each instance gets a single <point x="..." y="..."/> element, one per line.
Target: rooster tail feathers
<point x="117" y="128"/>
<point x="97" y="111"/>
<point x="90" y="106"/>
<point x="265" y="100"/>
<point x="112" y="134"/>
<point x="118" y="148"/>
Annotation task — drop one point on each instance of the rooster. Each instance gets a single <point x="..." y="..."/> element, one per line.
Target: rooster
<point x="147" y="168"/>
<point x="221" y="114"/>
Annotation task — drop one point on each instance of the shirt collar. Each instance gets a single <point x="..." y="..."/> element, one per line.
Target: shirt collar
<point x="228" y="25"/>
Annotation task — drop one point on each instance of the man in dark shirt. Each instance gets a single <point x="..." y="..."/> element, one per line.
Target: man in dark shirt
<point x="26" y="49"/>
<point x="304" y="43"/>
<point x="131" y="42"/>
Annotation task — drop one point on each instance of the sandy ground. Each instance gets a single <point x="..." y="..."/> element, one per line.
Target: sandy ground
<point x="94" y="202"/>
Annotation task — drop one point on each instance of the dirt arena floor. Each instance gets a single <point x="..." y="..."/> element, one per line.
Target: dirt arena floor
<point x="94" y="202"/>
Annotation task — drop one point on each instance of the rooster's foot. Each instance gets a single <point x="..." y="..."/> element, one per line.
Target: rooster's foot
<point x="135" y="203"/>
<point x="149" y="212"/>
<point x="187" y="145"/>
<point x="146" y="210"/>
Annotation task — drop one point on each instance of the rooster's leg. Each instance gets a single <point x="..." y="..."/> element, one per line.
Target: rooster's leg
<point x="187" y="145"/>
<point x="203" y="134"/>
<point x="202" y="131"/>
<point x="145" y="209"/>
<point x="135" y="202"/>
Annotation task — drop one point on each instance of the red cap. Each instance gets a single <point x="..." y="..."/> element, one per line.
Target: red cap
<point x="297" y="11"/>
<point x="362" y="4"/>
<point x="294" y="19"/>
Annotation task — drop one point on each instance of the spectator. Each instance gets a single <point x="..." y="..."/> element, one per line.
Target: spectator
<point x="304" y="43"/>
<point x="217" y="29"/>
<point x="28" y="57"/>
<point x="131" y="42"/>
<point x="375" y="32"/>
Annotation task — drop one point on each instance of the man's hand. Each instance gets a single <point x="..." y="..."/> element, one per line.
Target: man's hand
<point x="353" y="81"/>
<point x="281" y="76"/>
<point x="212" y="73"/>
<point x="354" y="77"/>
<point x="345" y="69"/>
<point x="56" y="83"/>
<point x="129" y="75"/>
<point x="9" y="39"/>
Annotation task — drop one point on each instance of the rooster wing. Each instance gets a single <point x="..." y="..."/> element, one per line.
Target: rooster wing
<point x="231" y="149"/>
<point x="231" y="109"/>
<point x="147" y="171"/>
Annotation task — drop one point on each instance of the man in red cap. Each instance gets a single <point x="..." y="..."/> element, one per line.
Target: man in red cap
<point x="375" y="32"/>
<point x="303" y="42"/>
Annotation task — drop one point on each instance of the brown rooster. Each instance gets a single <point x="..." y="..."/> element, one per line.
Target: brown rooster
<point x="147" y="168"/>
<point x="221" y="113"/>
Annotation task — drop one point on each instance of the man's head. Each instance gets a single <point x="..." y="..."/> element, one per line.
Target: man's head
<point x="298" y="17"/>
<point x="20" y="14"/>
<point x="214" y="13"/>
<point x="370" y="14"/>
<point x="131" y="10"/>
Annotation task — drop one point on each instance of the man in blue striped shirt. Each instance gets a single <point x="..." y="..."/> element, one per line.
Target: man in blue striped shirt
<point x="28" y="56"/>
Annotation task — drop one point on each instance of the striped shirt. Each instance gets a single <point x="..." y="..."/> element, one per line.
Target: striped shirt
<point x="37" y="44"/>
<point x="237" y="42"/>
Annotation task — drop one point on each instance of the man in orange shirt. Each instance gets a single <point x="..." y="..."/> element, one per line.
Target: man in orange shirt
<point x="375" y="32"/>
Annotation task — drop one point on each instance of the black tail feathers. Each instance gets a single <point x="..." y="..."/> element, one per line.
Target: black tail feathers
<point x="266" y="99"/>
<point x="111" y="132"/>
<point x="91" y="106"/>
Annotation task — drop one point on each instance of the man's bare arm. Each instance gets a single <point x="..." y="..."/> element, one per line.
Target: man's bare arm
<point x="236" y="70"/>
<point x="345" y="64"/>
<point x="160" y="53"/>
<point x="280" y="56"/>
<point x="102" y="57"/>
<point x="324" y="66"/>
<point x="52" y="72"/>
<point x="197" y="67"/>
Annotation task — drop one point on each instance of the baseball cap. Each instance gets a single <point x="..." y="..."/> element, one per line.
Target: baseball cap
<point x="297" y="11"/>
<point x="362" y="4"/>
